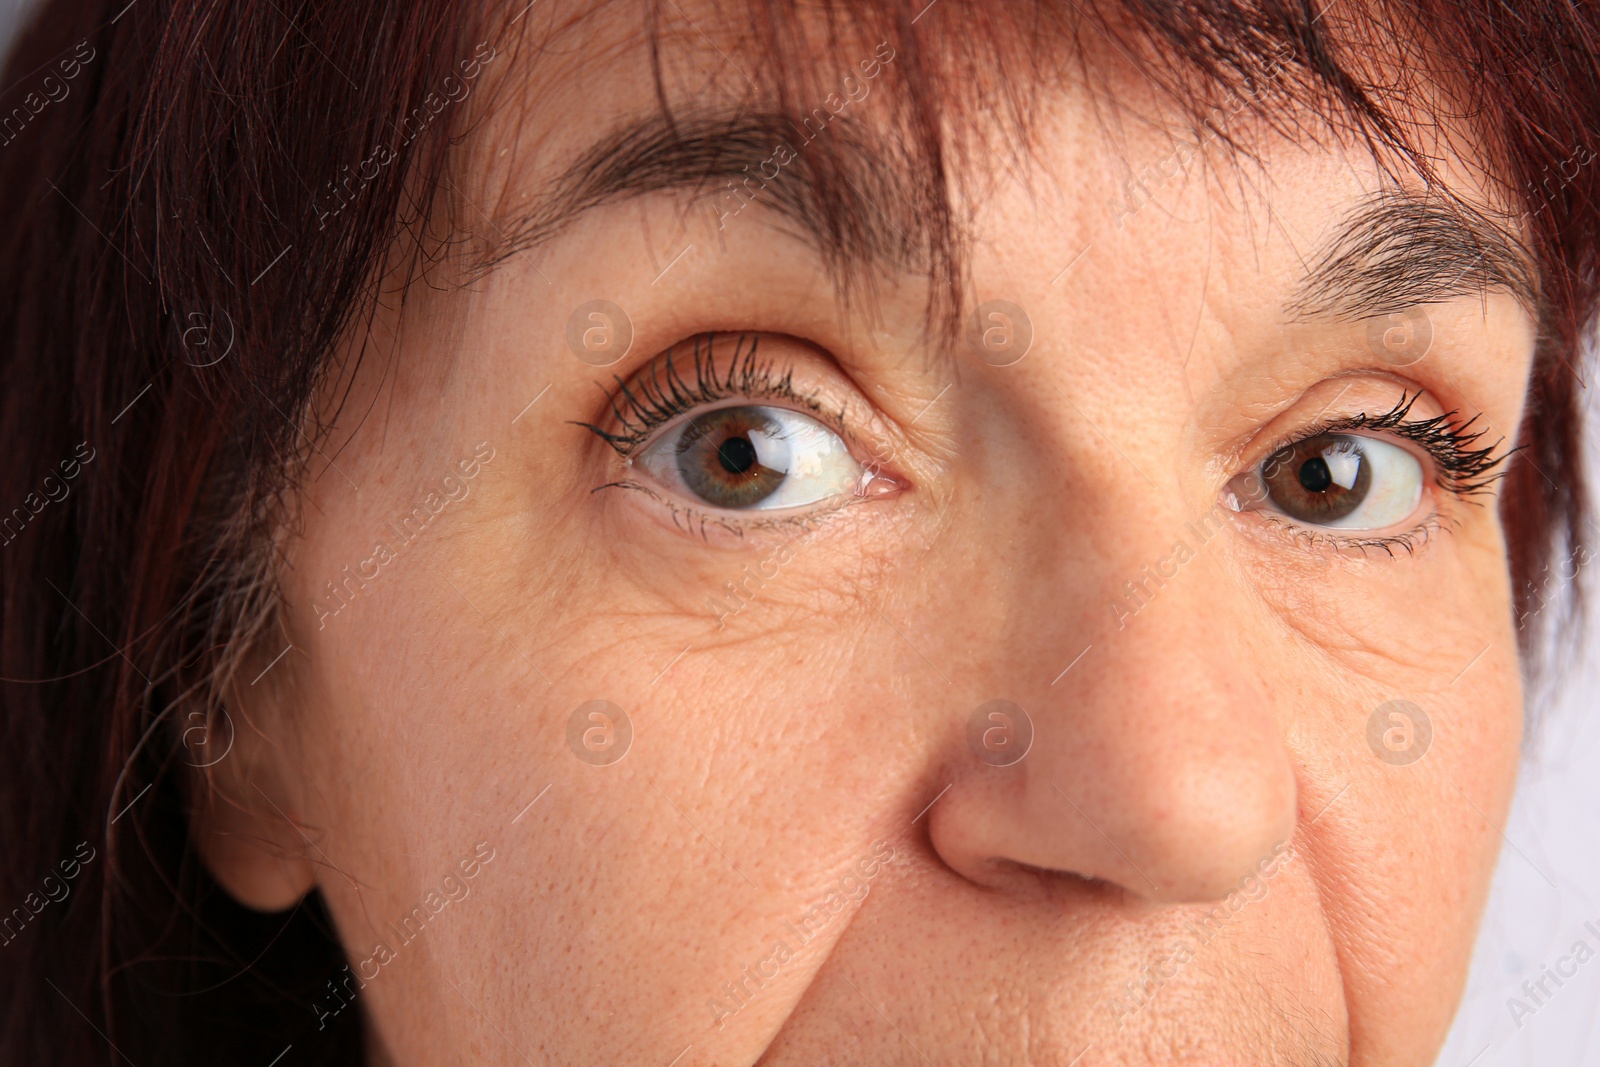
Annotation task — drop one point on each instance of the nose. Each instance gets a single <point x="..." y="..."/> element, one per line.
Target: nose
<point x="1155" y="764"/>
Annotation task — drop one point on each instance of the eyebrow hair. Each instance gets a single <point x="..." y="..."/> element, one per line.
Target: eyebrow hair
<point x="846" y="197"/>
<point x="1396" y="249"/>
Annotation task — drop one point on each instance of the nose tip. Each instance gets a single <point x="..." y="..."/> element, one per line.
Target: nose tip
<point x="1163" y="771"/>
<point x="1181" y="832"/>
<point x="1207" y="826"/>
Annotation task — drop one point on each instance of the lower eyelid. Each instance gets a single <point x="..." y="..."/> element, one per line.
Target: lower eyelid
<point x="1409" y="542"/>
<point x="700" y="521"/>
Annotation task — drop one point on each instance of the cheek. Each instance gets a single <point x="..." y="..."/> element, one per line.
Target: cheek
<point x="1412" y="720"/>
<point x="695" y="776"/>
<point x="415" y="758"/>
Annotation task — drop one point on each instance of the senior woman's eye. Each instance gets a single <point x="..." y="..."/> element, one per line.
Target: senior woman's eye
<point x="1344" y="478"/>
<point x="1343" y="481"/>
<point x="752" y="458"/>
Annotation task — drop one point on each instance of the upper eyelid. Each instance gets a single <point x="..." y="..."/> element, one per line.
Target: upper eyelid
<point x="638" y="406"/>
<point x="658" y="384"/>
<point x="1359" y="421"/>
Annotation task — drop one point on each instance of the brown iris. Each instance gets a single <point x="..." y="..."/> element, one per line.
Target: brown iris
<point x="1321" y="479"/>
<point x="719" y="456"/>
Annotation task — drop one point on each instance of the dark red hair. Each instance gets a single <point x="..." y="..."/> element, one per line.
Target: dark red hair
<point x="174" y="283"/>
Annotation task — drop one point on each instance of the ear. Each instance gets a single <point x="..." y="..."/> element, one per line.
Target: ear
<point x="243" y="810"/>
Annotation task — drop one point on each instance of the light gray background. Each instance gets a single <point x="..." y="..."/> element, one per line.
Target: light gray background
<point x="1547" y="885"/>
<point x="1548" y="882"/>
<point x="1546" y="888"/>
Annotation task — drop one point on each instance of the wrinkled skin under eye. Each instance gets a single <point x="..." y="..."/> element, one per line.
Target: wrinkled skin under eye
<point x="1343" y="481"/>
<point x="753" y="458"/>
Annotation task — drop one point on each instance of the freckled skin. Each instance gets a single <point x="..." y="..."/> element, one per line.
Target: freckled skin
<point x="799" y="858"/>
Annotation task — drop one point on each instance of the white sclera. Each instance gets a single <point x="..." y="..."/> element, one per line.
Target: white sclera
<point x="1393" y="491"/>
<point x="813" y="459"/>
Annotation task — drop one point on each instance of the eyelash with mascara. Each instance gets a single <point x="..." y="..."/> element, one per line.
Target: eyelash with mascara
<point x="664" y="393"/>
<point x="1463" y="469"/>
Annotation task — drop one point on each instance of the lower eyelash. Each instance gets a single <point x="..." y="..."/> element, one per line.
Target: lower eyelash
<point x="1410" y="541"/>
<point x="683" y="516"/>
<point x="693" y="520"/>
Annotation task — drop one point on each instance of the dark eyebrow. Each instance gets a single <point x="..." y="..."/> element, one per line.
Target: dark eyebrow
<point x="844" y="195"/>
<point x="1397" y="249"/>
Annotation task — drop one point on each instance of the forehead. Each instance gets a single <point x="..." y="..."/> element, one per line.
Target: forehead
<point x="892" y="137"/>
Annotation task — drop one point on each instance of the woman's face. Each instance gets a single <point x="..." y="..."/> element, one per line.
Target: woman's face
<point x="682" y="746"/>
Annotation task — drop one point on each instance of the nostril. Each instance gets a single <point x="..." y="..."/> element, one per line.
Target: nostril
<point x="1024" y="879"/>
<point x="1156" y="891"/>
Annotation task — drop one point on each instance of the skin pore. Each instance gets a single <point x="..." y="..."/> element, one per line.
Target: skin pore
<point x="1201" y="743"/>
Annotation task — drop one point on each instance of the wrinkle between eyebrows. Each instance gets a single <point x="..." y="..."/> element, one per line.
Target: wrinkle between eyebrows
<point x="1397" y="249"/>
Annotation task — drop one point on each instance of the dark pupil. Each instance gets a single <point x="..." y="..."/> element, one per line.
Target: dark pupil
<point x="718" y="460"/>
<point x="737" y="455"/>
<point x="1315" y="476"/>
<point x="1300" y="479"/>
